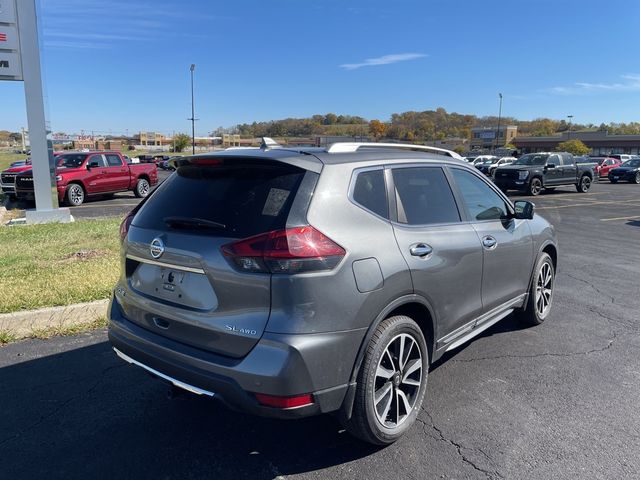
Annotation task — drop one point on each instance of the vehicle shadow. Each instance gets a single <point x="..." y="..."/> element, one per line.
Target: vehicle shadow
<point x="85" y="414"/>
<point x="634" y="223"/>
<point x="510" y="323"/>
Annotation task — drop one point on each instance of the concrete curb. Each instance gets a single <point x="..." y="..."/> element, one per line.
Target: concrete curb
<point x="3" y="212"/>
<point x="23" y="324"/>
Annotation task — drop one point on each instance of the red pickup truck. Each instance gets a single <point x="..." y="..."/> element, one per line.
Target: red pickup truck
<point x="80" y="175"/>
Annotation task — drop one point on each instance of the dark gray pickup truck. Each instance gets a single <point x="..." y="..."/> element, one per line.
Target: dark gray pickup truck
<point x="535" y="172"/>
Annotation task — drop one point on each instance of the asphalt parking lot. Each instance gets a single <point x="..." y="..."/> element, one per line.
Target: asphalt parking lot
<point x="555" y="401"/>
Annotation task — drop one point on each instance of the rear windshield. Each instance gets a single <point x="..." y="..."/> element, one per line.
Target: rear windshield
<point x="243" y="199"/>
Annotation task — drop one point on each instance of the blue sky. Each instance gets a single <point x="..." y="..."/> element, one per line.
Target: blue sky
<point x="123" y="65"/>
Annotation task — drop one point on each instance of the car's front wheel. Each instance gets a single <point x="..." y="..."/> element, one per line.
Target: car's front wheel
<point x="535" y="187"/>
<point x="75" y="195"/>
<point x="636" y="179"/>
<point x="541" y="292"/>
<point x="391" y="382"/>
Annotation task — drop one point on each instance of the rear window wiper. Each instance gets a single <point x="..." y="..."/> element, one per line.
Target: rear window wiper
<point x="190" y="222"/>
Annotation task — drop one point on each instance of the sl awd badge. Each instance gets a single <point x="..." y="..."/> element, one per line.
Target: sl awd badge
<point x="156" y="248"/>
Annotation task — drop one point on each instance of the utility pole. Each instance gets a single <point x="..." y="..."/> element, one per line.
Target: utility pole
<point x="193" y="114"/>
<point x="499" y="118"/>
<point x="570" y="117"/>
<point x="24" y="143"/>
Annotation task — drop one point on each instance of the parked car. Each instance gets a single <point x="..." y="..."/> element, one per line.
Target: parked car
<point x="482" y="158"/>
<point x="629" y="171"/>
<point x="8" y="178"/>
<point x="484" y="164"/>
<point x="499" y="163"/>
<point x="159" y="159"/>
<point x="622" y="157"/>
<point x="167" y="165"/>
<point x="604" y="165"/>
<point x="293" y="283"/>
<point x="535" y="172"/>
<point x="80" y="175"/>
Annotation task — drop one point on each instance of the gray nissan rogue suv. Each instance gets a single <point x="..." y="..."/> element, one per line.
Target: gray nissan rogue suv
<point x="290" y="283"/>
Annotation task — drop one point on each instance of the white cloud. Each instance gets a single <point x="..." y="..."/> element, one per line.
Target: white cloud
<point x="384" y="60"/>
<point x="629" y="83"/>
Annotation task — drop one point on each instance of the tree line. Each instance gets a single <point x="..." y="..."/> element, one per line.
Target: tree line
<point x="423" y="126"/>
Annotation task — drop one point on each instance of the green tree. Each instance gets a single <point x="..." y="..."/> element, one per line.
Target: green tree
<point x="573" y="146"/>
<point x="181" y="141"/>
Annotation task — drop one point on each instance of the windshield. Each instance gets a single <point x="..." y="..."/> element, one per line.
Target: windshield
<point x="489" y="161"/>
<point x="632" y="163"/>
<point x="532" y="159"/>
<point x="73" y="160"/>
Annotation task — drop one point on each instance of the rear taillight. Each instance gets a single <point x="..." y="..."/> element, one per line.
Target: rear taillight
<point x="294" y="250"/>
<point x="124" y="226"/>
<point x="284" y="402"/>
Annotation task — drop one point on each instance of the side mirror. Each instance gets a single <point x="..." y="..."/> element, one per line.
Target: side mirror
<point x="92" y="165"/>
<point x="524" y="210"/>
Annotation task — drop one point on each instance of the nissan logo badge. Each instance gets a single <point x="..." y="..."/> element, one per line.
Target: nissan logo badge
<point x="156" y="248"/>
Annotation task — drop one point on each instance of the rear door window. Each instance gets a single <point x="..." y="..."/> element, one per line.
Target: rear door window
<point x="114" y="160"/>
<point x="244" y="199"/>
<point x="369" y="191"/>
<point x="423" y="196"/>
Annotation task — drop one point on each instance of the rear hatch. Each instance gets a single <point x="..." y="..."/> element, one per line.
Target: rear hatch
<point x="183" y="286"/>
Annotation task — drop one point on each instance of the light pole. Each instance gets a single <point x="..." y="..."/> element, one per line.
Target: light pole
<point x="570" y="117"/>
<point x="499" y="118"/>
<point x="193" y="114"/>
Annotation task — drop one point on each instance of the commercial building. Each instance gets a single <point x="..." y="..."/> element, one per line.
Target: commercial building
<point x="152" y="139"/>
<point x="487" y="138"/>
<point x="600" y="143"/>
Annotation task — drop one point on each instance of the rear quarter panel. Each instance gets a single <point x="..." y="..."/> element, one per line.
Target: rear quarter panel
<point x="331" y="301"/>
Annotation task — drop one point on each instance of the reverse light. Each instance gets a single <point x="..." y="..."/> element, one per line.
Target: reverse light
<point x="292" y="250"/>
<point x="284" y="402"/>
<point x="124" y="226"/>
<point x="523" y="174"/>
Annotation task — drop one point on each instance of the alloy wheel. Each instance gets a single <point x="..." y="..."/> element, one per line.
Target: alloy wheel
<point x="586" y="184"/>
<point x="536" y="186"/>
<point x="544" y="290"/>
<point x="143" y="188"/>
<point x="76" y="194"/>
<point x="397" y="381"/>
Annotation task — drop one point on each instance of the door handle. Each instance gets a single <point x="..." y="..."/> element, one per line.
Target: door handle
<point x="489" y="242"/>
<point x="420" y="250"/>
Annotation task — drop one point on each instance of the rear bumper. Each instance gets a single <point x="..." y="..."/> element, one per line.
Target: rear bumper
<point x="282" y="365"/>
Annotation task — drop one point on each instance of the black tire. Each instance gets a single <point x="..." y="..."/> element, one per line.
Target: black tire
<point x="535" y="187"/>
<point x="549" y="189"/>
<point x="613" y="181"/>
<point x="75" y="194"/>
<point x="636" y="179"/>
<point x="584" y="184"/>
<point x="378" y="362"/>
<point x="533" y="314"/>
<point x="143" y="188"/>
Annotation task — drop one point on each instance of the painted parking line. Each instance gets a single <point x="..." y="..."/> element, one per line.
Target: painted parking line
<point x="620" y="218"/>
<point x="113" y="205"/>
<point x="626" y="203"/>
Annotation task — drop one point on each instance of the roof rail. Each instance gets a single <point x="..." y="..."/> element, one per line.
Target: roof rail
<point x="347" y="147"/>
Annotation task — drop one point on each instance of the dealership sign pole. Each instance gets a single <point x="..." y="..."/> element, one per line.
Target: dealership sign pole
<point x="20" y="61"/>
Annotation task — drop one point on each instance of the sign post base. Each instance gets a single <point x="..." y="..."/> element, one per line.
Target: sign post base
<point x="60" y="215"/>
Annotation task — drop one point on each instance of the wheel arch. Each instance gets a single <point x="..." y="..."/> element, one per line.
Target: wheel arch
<point x="413" y="306"/>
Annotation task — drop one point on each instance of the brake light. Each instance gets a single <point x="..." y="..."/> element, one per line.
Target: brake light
<point x="294" y="250"/>
<point x="124" y="226"/>
<point x="284" y="402"/>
